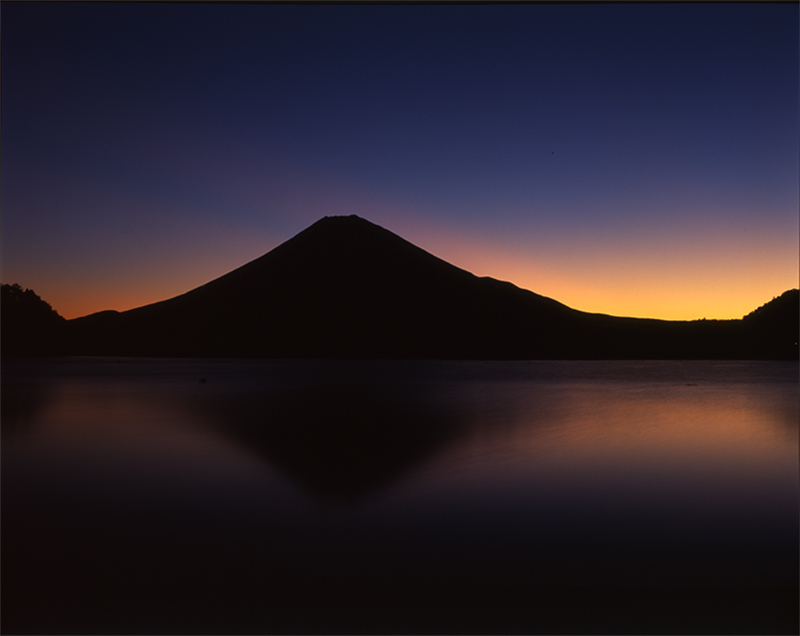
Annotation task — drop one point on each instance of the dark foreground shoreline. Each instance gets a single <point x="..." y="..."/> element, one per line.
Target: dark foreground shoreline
<point x="491" y="610"/>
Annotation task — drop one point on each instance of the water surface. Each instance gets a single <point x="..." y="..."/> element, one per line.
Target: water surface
<point x="153" y="495"/>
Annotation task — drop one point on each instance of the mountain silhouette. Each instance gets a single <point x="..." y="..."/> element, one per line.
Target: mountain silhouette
<point x="347" y="288"/>
<point x="343" y="287"/>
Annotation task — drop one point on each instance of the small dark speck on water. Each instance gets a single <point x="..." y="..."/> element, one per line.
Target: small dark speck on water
<point x="690" y="384"/>
<point x="203" y="380"/>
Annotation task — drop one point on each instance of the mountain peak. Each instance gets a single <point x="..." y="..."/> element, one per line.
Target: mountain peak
<point x="342" y="221"/>
<point x="338" y="218"/>
<point x="351" y="222"/>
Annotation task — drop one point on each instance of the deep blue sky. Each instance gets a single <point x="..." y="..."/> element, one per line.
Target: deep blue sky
<point x="633" y="159"/>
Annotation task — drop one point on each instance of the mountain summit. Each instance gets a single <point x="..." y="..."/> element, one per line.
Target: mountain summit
<point x="347" y="288"/>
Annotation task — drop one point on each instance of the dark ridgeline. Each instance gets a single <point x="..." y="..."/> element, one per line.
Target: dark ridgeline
<point x="346" y="288"/>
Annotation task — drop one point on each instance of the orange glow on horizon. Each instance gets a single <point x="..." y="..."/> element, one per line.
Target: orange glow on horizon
<point x="646" y="282"/>
<point x="673" y="278"/>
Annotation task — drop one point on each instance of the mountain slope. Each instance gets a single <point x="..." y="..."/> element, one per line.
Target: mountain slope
<point x="346" y="288"/>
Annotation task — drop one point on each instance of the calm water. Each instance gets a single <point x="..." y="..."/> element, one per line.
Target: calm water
<point x="137" y="493"/>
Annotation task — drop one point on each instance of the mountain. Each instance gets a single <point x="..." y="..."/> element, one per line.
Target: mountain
<point x="347" y="288"/>
<point x="343" y="287"/>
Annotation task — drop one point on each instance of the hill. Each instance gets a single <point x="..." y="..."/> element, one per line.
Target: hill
<point x="347" y="288"/>
<point x="29" y="326"/>
<point x="771" y="331"/>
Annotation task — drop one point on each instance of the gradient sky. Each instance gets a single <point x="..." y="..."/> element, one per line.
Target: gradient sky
<point x="636" y="159"/>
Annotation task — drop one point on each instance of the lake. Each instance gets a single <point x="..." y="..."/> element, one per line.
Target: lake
<point x="186" y="496"/>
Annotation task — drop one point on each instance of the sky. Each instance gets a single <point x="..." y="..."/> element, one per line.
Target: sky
<point x="628" y="159"/>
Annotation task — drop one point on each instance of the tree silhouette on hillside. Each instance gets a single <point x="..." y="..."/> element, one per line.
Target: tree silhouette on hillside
<point x="773" y="327"/>
<point x="28" y="324"/>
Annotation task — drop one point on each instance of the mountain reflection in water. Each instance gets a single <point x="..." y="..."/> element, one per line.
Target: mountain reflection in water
<point x="222" y="496"/>
<point x="341" y="444"/>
